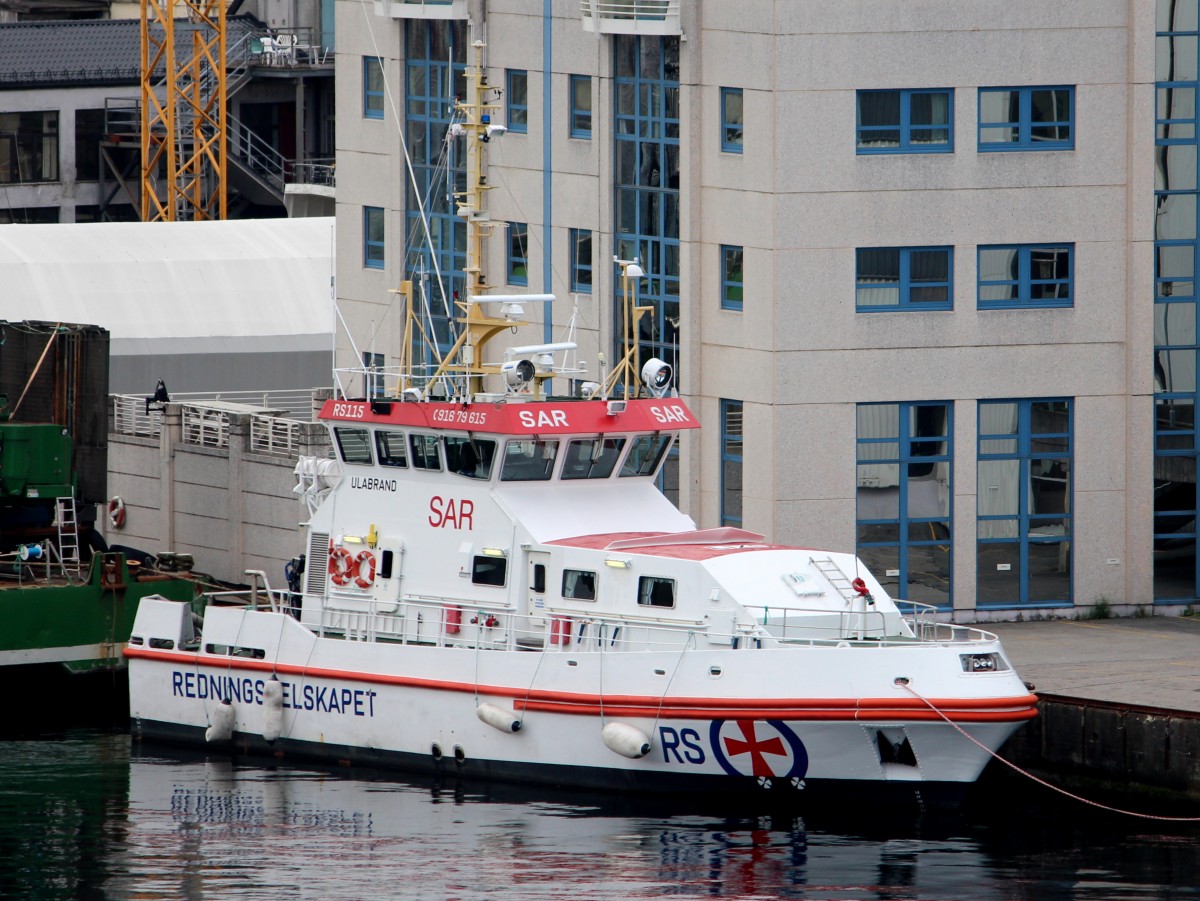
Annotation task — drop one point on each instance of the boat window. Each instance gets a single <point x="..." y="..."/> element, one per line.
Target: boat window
<point x="425" y="452"/>
<point x="592" y="458"/>
<point x="162" y="644"/>
<point x="655" y="591"/>
<point x="528" y="460"/>
<point x="489" y="570"/>
<point x="354" y="445"/>
<point x="470" y="457"/>
<point x="579" y="585"/>
<point x="539" y="578"/>
<point x="390" y="447"/>
<point x="645" y="455"/>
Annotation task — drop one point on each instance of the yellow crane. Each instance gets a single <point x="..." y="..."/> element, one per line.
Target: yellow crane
<point x="184" y="110"/>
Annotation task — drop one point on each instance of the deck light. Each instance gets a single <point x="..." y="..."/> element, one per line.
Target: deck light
<point x="657" y="376"/>
<point x="615" y="563"/>
<point x="495" y="552"/>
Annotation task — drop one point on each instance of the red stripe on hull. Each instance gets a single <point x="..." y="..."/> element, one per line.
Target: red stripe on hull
<point x="992" y="710"/>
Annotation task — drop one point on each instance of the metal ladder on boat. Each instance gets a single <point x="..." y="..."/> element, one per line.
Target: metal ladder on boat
<point x="834" y="576"/>
<point x="856" y="603"/>
<point x="68" y="534"/>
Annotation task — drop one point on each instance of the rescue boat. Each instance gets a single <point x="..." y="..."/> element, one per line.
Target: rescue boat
<point x="494" y="587"/>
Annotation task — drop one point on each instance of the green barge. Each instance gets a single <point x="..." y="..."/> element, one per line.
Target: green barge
<point x="67" y="599"/>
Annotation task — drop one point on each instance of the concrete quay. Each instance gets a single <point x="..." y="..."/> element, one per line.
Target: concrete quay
<point x="1119" y="701"/>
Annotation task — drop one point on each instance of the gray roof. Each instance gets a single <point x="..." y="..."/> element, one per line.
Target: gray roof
<point x="89" y="52"/>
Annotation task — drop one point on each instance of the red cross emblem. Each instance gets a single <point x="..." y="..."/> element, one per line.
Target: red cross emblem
<point x="755" y="748"/>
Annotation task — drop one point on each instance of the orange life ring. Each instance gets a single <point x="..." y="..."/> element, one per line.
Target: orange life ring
<point x="356" y="569"/>
<point x="341" y="565"/>
<point x="116" y="512"/>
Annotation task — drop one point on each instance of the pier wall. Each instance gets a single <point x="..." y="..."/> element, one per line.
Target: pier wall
<point x="212" y="491"/>
<point x="1127" y="747"/>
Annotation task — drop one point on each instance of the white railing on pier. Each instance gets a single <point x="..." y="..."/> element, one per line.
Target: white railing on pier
<point x="131" y="417"/>
<point x="274" y="435"/>
<point x="205" y="427"/>
<point x="276" y="417"/>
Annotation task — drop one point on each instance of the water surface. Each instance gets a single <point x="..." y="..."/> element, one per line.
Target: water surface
<point x="84" y="814"/>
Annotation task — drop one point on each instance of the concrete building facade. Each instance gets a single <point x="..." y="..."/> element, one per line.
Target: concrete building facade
<point x="903" y="256"/>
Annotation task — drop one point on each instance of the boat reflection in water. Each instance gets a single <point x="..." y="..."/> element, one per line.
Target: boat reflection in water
<point x="81" y="818"/>
<point x="211" y="828"/>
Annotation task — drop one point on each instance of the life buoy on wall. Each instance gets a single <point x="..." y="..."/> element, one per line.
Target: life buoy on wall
<point x="364" y="581"/>
<point x="116" y="512"/>
<point x="341" y="565"/>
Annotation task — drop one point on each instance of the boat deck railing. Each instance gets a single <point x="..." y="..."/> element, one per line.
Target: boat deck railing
<point x="466" y="623"/>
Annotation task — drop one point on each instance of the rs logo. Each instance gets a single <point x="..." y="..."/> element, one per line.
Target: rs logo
<point x="757" y="748"/>
<point x="765" y="749"/>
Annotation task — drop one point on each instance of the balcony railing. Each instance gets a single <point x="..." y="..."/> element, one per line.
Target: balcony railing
<point x="631" y="16"/>
<point x="422" y="9"/>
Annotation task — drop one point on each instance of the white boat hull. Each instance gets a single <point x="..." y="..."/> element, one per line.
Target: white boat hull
<point x="718" y="717"/>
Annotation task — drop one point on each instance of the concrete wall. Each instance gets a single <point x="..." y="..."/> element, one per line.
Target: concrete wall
<point x="229" y="507"/>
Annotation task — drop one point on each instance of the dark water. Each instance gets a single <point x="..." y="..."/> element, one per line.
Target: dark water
<point x="85" y="815"/>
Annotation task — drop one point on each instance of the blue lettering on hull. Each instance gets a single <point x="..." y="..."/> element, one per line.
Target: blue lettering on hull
<point x="245" y="690"/>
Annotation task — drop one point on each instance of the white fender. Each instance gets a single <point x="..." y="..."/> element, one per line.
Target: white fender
<point x="499" y="717"/>
<point x="272" y="709"/>
<point x="222" y="723"/>
<point x="626" y="740"/>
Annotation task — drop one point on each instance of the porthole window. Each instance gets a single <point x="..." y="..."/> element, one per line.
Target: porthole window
<point x="579" y="585"/>
<point x="489" y="570"/>
<point x="655" y="591"/>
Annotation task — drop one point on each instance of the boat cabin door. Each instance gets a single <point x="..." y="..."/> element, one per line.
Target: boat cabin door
<point x="536" y="588"/>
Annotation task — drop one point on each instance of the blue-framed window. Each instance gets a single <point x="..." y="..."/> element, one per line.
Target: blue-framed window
<point x="1176" y="326"/>
<point x="373" y="238"/>
<point x="903" y="505"/>
<point x="581" y="260"/>
<point x="903" y="278"/>
<point x="731" y="120"/>
<point x="1033" y="118"/>
<point x="1026" y="275"/>
<point x="731" y="277"/>
<point x="434" y="71"/>
<point x="906" y="121"/>
<point x="581" y="106"/>
<point x="517" y="81"/>
<point x="518" y="253"/>
<point x="646" y="129"/>
<point x="731" y="462"/>
<point x="1024" y="491"/>
<point x="373" y="87"/>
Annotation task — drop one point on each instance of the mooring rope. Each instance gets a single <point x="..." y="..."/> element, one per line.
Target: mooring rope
<point x="687" y="643"/>
<point x="1038" y="780"/>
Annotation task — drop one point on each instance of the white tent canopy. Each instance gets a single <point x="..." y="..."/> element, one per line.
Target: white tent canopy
<point x="207" y="306"/>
